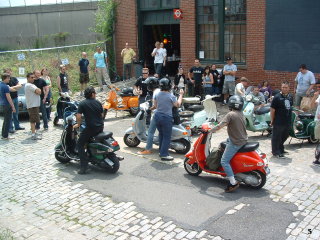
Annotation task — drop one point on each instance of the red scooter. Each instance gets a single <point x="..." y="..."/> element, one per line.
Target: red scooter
<point x="249" y="165"/>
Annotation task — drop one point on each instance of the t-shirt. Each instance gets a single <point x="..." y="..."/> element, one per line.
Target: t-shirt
<point x="240" y="90"/>
<point x="100" y="59"/>
<point x="40" y="83"/>
<point x="64" y="82"/>
<point x="32" y="99"/>
<point x="161" y="53"/>
<point x="260" y="98"/>
<point x="128" y="54"/>
<point x="236" y="127"/>
<point x="13" y="82"/>
<point x="317" y="116"/>
<point x="83" y="64"/>
<point x="92" y="111"/>
<point x="165" y="102"/>
<point x="282" y="105"/>
<point x="4" y="89"/>
<point x="207" y="81"/>
<point x="304" y="81"/>
<point x="228" y="68"/>
<point x="139" y="83"/>
<point x="197" y="74"/>
<point x="216" y="80"/>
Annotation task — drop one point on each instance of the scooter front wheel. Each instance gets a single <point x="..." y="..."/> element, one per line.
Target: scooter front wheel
<point x="134" y="111"/>
<point x="192" y="169"/>
<point x="312" y="139"/>
<point x="61" y="157"/>
<point x="131" y="140"/>
<point x="113" y="168"/>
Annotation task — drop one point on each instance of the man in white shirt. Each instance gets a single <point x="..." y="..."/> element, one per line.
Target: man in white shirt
<point x="159" y="55"/>
<point x="304" y="83"/>
<point x="241" y="87"/>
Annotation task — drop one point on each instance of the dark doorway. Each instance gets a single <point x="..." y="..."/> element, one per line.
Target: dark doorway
<point x="170" y="35"/>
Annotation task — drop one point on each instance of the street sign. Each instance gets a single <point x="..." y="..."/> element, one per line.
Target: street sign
<point x="177" y="13"/>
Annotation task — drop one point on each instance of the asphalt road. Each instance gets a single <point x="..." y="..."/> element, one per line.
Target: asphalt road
<point x="197" y="203"/>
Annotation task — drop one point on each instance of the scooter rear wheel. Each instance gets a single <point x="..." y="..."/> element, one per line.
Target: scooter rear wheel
<point x="62" y="157"/>
<point x="116" y="164"/>
<point x="312" y="140"/>
<point x="262" y="178"/>
<point x="186" y="146"/>
<point x="134" y="111"/>
<point x="193" y="170"/>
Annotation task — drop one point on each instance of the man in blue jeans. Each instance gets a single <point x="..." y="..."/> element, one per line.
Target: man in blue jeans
<point x="236" y="127"/>
<point x="163" y="102"/>
<point x="7" y="105"/>
<point x="14" y="86"/>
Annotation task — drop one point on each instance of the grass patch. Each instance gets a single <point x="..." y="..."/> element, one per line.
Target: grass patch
<point x="51" y="59"/>
<point x="6" y="235"/>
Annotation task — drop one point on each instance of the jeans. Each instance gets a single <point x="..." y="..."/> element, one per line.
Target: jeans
<point x="229" y="152"/>
<point x="216" y="90"/>
<point x="198" y="90"/>
<point x="152" y="129"/>
<point x="15" y="116"/>
<point x="84" y="137"/>
<point x="48" y="109"/>
<point x="43" y="111"/>
<point x="207" y="91"/>
<point x="158" y="68"/>
<point x="279" y="135"/>
<point x="7" y="116"/>
<point x="164" y="126"/>
<point x="127" y="69"/>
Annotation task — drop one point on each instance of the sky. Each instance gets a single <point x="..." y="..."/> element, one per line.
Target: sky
<point x="19" y="3"/>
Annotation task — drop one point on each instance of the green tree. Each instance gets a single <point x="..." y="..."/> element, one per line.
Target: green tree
<point x="105" y="19"/>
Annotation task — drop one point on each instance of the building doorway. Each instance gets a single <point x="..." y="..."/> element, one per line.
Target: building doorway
<point x="169" y="34"/>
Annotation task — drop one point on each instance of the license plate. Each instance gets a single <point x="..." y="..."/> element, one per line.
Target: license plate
<point x="109" y="162"/>
<point x="267" y="170"/>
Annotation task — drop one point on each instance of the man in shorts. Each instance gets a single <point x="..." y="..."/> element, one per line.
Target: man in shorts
<point x="229" y="71"/>
<point x="84" y="72"/>
<point x="32" y="94"/>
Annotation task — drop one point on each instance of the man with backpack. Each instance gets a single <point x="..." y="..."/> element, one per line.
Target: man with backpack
<point x="100" y="63"/>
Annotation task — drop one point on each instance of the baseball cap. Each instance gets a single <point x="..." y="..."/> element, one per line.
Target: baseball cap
<point x="228" y="58"/>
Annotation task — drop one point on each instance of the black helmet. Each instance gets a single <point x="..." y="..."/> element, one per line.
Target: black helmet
<point x="165" y="84"/>
<point x="152" y="83"/>
<point x="235" y="102"/>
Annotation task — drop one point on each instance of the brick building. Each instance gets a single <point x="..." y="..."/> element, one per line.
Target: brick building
<point x="213" y="29"/>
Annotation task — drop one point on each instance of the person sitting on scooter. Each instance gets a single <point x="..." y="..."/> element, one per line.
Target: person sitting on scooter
<point x="163" y="102"/>
<point x="92" y="111"/>
<point x="153" y="85"/>
<point x="238" y="137"/>
<point x="258" y="97"/>
<point x="240" y="89"/>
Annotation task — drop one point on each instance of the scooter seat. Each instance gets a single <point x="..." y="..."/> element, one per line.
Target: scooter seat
<point x="306" y="116"/>
<point x="262" y="110"/>
<point x="102" y="136"/>
<point x="196" y="108"/>
<point x="249" y="147"/>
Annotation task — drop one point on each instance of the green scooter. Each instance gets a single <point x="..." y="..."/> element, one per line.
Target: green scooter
<point x="302" y="126"/>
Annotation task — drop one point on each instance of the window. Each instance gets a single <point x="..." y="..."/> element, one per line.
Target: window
<point x="159" y="4"/>
<point x="222" y="29"/>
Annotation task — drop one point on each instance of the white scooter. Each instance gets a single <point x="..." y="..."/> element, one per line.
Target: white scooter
<point x="180" y="137"/>
<point x="197" y="114"/>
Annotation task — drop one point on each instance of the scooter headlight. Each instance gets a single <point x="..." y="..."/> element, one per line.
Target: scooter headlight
<point x="299" y="125"/>
<point x="248" y="98"/>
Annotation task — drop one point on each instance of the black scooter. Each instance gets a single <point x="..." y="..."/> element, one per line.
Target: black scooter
<point x="100" y="149"/>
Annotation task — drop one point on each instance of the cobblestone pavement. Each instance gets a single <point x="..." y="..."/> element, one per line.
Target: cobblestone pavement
<point x="37" y="203"/>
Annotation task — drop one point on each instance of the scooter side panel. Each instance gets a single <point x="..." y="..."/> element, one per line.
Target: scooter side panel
<point x="246" y="162"/>
<point x="133" y="102"/>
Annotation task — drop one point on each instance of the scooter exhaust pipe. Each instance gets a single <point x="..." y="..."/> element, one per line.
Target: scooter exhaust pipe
<point x="247" y="179"/>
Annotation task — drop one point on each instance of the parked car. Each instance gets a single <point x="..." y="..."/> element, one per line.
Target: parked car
<point x="21" y="97"/>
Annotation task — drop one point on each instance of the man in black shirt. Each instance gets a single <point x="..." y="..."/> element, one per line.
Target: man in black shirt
<point x="280" y="112"/>
<point x="14" y="87"/>
<point x="197" y="71"/>
<point x="41" y="83"/>
<point x="84" y="72"/>
<point x="92" y="111"/>
<point x="140" y="87"/>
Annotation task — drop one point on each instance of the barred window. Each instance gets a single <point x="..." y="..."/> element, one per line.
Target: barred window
<point x="222" y="29"/>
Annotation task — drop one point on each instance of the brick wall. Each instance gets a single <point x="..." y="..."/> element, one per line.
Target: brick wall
<point x="188" y="33"/>
<point x="126" y="29"/>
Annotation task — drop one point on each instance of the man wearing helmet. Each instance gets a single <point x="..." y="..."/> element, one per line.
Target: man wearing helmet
<point x="92" y="111"/>
<point x="163" y="102"/>
<point x="236" y="127"/>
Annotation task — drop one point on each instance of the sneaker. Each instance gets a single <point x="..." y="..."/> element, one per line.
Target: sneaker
<point x="316" y="162"/>
<point x="36" y="137"/>
<point x="11" y="131"/>
<point x="20" y="128"/>
<point x="145" y="152"/>
<point x="167" y="158"/>
<point x="46" y="128"/>
<point x="231" y="188"/>
<point x="279" y="155"/>
<point x="7" y="138"/>
<point x="224" y="102"/>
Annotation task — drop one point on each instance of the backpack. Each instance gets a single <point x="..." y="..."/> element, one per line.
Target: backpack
<point x="214" y="159"/>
